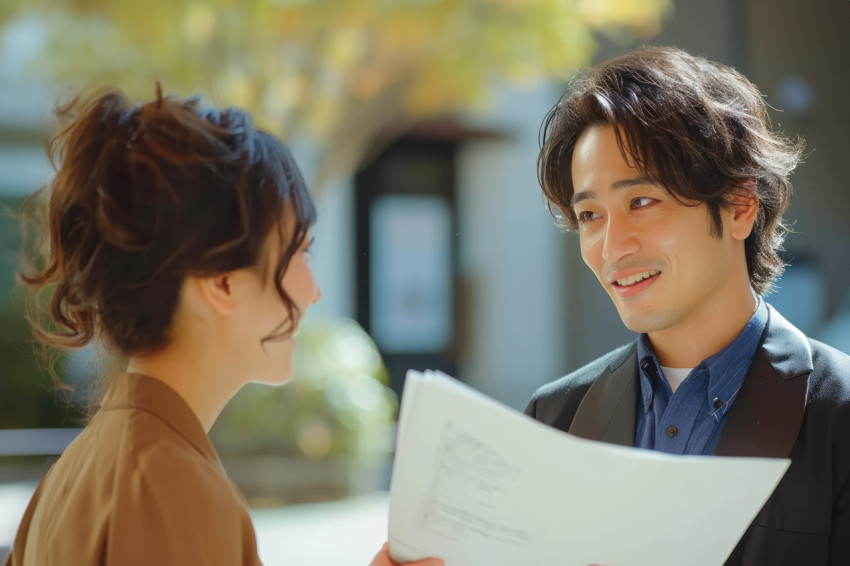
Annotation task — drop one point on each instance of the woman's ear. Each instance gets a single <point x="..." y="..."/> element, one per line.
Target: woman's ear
<point x="219" y="293"/>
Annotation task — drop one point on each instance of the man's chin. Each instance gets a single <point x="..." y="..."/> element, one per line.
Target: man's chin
<point x="643" y="322"/>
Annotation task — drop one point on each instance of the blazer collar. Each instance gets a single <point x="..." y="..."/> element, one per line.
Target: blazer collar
<point x="764" y="420"/>
<point x="766" y="417"/>
<point x="609" y="409"/>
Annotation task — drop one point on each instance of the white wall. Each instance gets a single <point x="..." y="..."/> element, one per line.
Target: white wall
<point x="511" y="254"/>
<point x="334" y="251"/>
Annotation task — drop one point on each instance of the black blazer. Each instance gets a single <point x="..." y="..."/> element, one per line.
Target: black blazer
<point x="795" y="402"/>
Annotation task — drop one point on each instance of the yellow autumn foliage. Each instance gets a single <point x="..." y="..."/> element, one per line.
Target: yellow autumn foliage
<point x="338" y="73"/>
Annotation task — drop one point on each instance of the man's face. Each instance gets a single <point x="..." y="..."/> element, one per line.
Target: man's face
<point x="655" y="257"/>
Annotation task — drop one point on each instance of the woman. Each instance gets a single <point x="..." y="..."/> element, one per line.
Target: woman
<point x="178" y="241"/>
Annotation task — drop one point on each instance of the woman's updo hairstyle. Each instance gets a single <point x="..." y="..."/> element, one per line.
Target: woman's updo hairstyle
<point x="145" y="195"/>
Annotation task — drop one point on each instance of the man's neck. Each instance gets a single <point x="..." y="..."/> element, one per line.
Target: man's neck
<point x="688" y="343"/>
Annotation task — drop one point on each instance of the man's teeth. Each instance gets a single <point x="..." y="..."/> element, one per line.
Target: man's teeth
<point x="632" y="279"/>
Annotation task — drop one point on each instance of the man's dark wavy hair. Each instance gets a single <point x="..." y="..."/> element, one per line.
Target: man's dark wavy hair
<point x="697" y="128"/>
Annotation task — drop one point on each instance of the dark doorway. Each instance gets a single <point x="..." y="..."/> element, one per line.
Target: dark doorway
<point x="407" y="255"/>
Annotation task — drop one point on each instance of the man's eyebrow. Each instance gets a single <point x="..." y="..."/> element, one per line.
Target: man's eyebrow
<point x="634" y="181"/>
<point x="621" y="184"/>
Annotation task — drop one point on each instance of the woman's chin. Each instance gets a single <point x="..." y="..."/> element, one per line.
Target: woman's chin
<point x="276" y="378"/>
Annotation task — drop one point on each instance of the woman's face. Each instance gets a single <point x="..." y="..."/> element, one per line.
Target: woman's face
<point x="265" y="314"/>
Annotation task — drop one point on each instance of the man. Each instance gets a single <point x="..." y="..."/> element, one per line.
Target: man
<point x="666" y="166"/>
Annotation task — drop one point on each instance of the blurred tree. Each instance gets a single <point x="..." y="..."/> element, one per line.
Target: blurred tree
<point x="28" y="396"/>
<point x="339" y="403"/>
<point x="343" y="76"/>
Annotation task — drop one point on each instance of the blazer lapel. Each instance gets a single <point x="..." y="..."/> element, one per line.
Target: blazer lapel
<point x="609" y="408"/>
<point x="766" y="417"/>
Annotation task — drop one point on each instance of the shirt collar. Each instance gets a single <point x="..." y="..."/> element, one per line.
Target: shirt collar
<point x="649" y="370"/>
<point x="145" y="393"/>
<point x="726" y="369"/>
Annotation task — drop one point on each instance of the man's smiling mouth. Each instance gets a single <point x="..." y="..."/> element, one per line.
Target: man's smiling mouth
<point x="636" y="278"/>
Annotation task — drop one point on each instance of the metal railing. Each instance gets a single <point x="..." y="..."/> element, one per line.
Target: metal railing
<point x="36" y="441"/>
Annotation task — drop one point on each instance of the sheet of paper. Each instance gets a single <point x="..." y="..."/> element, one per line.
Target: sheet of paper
<point x="477" y="483"/>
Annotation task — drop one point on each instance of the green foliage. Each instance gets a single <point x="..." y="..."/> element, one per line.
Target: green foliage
<point x="336" y="403"/>
<point x="28" y="398"/>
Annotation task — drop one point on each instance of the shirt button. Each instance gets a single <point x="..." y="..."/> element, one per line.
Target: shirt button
<point x="672" y="431"/>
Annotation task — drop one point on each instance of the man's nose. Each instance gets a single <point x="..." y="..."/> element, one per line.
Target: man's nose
<point x="317" y="294"/>
<point x="621" y="239"/>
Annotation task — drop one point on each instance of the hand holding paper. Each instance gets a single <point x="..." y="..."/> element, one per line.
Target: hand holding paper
<point x="476" y="483"/>
<point x="383" y="559"/>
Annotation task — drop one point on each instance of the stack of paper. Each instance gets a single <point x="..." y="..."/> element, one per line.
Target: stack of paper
<point x="477" y="483"/>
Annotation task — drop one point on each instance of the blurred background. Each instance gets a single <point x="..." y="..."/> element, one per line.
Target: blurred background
<point x="417" y="123"/>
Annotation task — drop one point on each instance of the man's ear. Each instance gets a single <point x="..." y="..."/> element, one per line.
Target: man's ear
<point x="744" y="209"/>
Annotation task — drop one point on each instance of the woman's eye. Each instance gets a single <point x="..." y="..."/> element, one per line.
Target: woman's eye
<point x="641" y="202"/>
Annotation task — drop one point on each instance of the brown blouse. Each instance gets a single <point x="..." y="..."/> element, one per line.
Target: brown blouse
<point x="142" y="484"/>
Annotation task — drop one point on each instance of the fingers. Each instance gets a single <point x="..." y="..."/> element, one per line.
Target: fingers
<point x="426" y="562"/>
<point x="383" y="559"/>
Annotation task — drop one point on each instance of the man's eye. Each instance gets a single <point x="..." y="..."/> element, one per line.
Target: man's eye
<point x="641" y="202"/>
<point x="586" y="216"/>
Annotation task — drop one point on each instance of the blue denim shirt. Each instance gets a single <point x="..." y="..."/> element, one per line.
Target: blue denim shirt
<point x="690" y="421"/>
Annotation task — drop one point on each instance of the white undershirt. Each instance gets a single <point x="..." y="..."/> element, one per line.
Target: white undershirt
<point x="675" y="376"/>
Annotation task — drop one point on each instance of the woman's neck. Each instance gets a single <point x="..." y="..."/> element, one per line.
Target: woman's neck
<point x="205" y="385"/>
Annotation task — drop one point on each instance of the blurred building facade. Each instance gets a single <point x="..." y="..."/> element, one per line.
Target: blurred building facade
<point x="526" y="308"/>
<point x="506" y="303"/>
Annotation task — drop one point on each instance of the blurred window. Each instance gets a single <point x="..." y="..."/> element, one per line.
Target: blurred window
<point x="407" y="255"/>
